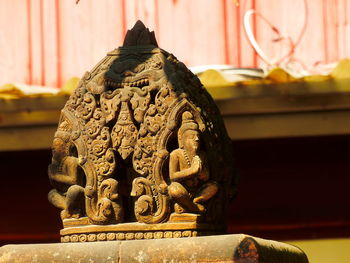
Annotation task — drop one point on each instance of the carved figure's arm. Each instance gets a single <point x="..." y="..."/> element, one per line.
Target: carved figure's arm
<point x="68" y="176"/>
<point x="204" y="172"/>
<point x="174" y="169"/>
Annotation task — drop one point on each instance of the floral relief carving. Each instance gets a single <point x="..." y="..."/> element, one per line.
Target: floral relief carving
<point x="140" y="141"/>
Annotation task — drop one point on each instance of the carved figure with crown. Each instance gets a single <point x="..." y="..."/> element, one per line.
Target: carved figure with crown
<point x="141" y="150"/>
<point x="190" y="187"/>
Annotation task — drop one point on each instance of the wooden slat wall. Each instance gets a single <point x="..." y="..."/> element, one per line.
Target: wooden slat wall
<point x="48" y="41"/>
<point x="86" y="33"/>
<point x="14" y="42"/>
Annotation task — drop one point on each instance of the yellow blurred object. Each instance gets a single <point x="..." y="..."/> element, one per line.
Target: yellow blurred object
<point x="20" y="90"/>
<point x="221" y="79"/>
<point x="213" y="78"/>
<point x="10" y="91"/>
<point x="325" y="250"/>
<point x="316" y="78"/>
<point x="279" y="75"/>
<point x="69" y="86"/>
<point x="342" y="70"/>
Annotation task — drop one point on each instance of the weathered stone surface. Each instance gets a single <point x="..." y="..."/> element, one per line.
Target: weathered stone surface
<point x="222" y="248"/>
<point x="98" y="252"/>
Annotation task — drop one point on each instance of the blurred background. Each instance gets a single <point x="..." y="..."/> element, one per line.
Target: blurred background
<point x="48" y="42"/>
<point x="277" y="69"/>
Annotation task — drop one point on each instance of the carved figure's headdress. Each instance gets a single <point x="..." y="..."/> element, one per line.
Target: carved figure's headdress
<point x="188" y="123"/>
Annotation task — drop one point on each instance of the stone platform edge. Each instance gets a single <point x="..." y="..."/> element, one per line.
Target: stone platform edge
<point x="238" y="248"/>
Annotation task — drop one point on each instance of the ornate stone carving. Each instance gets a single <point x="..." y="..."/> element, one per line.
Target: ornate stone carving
<point x="190" y="187"/>
<point x="141" y="150"/>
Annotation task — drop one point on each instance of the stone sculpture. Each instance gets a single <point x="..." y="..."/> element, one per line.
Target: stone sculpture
<point x="188" y="168"/>
<point x="141" y="150"/>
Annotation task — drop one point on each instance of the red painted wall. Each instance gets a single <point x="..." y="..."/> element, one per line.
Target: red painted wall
<point x="48" y="41"/>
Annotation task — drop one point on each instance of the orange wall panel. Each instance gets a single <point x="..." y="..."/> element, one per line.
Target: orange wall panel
<point x="47" y="42"/>
<point x="15" y="60"/>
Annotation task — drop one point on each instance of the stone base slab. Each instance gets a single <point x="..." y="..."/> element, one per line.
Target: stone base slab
<point x="222" y="248"/>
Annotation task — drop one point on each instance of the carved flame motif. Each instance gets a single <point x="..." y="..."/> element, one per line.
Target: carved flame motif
<point x="125" y="114"/>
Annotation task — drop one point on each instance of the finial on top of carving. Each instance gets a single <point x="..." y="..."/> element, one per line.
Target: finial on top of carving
<point x="140" y="35"/>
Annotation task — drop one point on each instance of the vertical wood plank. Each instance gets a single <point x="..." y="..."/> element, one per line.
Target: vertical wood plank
<point x="273" y="12"/>
<point x="193" y="30"/>
<point x="174" y="28"/>
<point x="131" y="13"/>
<point x="144" y="10"/>
<point x="311" y="49"/>
<point x="281" y="16"/>
<point x="14" y="35"/>
<point x="58" y="44"/>
<point x="49" y="39"/>
<point x="248" y="55"/>
<point x="147" y="12"/>
<point x="106" y="28"/>
<point x="233" y="33"/>
<point x="88" y="31"/>
<point x="208" y="35"/>
<point x="36" y="46"/>
<point x="288" y="18"/>
<point x="345" y="33"/>
<point x="330" y="30"/>
<point x="47" y="42"/>
<point x="341" y="28"/>
<point x="74" y="41"/>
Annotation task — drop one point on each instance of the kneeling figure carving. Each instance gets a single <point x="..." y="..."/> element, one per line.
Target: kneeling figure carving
<point x="190" y="186"/>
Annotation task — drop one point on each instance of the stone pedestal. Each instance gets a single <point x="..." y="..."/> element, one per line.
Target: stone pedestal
<point x="221" y="248"/>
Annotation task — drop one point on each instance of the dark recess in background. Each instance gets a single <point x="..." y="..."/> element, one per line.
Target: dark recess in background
<point x="289" y="189"/>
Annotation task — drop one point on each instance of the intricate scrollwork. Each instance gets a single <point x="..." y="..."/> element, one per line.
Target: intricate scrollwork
<point x="125" y="115"/>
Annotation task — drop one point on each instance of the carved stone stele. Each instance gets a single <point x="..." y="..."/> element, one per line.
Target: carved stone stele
<point x="141" y="150"/>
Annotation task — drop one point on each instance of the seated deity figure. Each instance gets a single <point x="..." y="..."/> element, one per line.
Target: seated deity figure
<point x="190" y="186"/>
<point x="64" y="175"/>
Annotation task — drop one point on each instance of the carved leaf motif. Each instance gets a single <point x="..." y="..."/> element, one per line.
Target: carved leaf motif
<point x="164" y="99"/>
<point x="140" y="102"/>
<point x="94" y="126"/>
<point x="64" y="125"/>
<point x="143" y="205"/>
<point x="155" y="62"/>
<point x="143" y="155"/>
<point x="76" y="98"/>
<point x="153" y="124"/>
<point x="108" y="205"/>
<point x="106" y="166"/>
<point x="100" y="153"/>
<point x="98" y="147"/>
<point x="110" y="102"/>
<point x="96" y="85"/>
<point x="86" y="108"/>
<point x="141" y="187"/>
